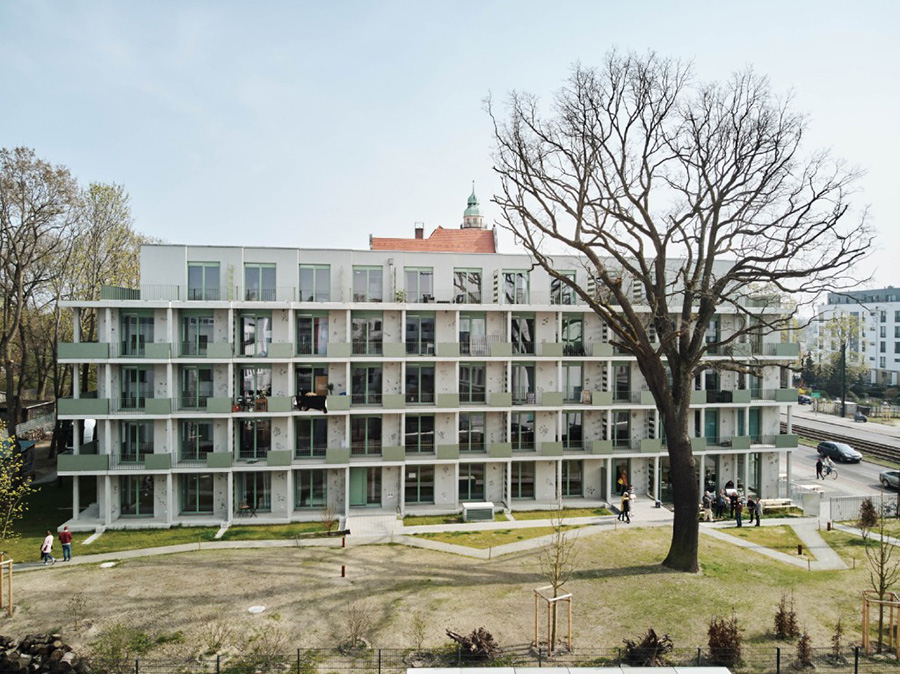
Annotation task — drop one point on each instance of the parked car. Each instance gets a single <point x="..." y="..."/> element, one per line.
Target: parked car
<point x="890" y="478"/>
<point x="839" y="451"/>
<point x="804" y="399"/>
<point x="859" y="416"/>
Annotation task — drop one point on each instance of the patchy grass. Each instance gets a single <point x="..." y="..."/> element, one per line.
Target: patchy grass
<point x="489" y="539"/>
<point x="429" y="520"/>
<point x="133" y="539"/>
<point x="781" y="538"/>
<point x="46" y="509"/>
<point x="265" y="532"/>
<point x="566" y="512"/>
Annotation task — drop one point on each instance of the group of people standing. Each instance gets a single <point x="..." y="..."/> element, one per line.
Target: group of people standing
<point x="65" y="539"/>
<point x="714" y="506"/>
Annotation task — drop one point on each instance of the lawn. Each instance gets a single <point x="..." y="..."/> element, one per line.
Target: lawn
<point x="489" y="539"/>
<point x="429" y="520"/>
<point x="781" y="538"/>
<point x="565" y="512"/>
<point x="265" y="532"/>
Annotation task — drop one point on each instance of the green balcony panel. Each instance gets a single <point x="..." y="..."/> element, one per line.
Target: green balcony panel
<point x="158" y="406"/>
<point x="787" y="350"/>
<point x="500" y="450"/>
<point x="279" y="457"/>
<point x="500" y="399"/>
<point x="82" y="462"/>
<point x="501" y="349"/>
<point x="448" y="349"/>
<point x="158" y="350"/>
<point x="219" y="350"/>
<point x="601" y="447"/>
<point x="219" y="405"/>
<point x="158" y="461"/>
<point x="786" y="395"/>
<point x="218" y="460"/>
<point x="447" y="452"/>
<point x="741" y="396"/>
<point x="551" y="449"/>
<point x="448" y="399"/>
<point x="393" y="401"/>
<point x="647" y="398"/>
<point x="338" y="403"/>
<point x="601" y="349"/>
<point x="394" y="350"/>
<point x="698" y="444"/>
<point x="340" y="350"/>
<point x="82" y="407"/>
<point x="651" y="445"/>
<point x="393" y="453"/>
<point x="552" y="399"/>
<point x="552" y="349"/>
<point x="336" y="455"/>
<point x="786" y="441"/>
<point x="280" y="350"/>
<point x="741" y="350"/>
<point x="83" y="350"/>
<point x="602" y="397"/>
<point x="280" y="404"/>
<point x="740" y="442"/>
<point x="698" y="397"/>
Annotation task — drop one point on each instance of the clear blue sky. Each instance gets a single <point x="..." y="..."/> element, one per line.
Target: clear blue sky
<point x="318" y="123"/>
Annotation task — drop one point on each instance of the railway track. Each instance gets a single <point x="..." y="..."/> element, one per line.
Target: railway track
<point x="867" y="447"/>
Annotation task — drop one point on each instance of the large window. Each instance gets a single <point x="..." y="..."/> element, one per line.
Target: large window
<point x="311" y="489"/>
<point x="315" y="283"/>
<point x="197" y="494"/>
<point x="136" y="499"/>
<point x="472" y="382"/>
<point x="196" y="440"/>
<point x="622" y="375"/>
<point x="203" y="281"/>
<point x="419" y="383"/>
<point x="196" y="386"/>
<point x="367" y="284"/>
<point x="471" y="482"/>
<point x="419" y="434"/>
<point x="365" y="436"/>
<point x="472" y="335"/>
<point x="523" y="392"/>
<point x="256" y="334"/>
<point x="420" y="334"/>
<point x="521" y="431"/>
<point x="259" y="282"/>
<point x="137" y="331"/>
<point x="572" y="433"/>
<point x="471" y="432"/>
<point x="312" y="335"/>
<point x="573" y="336"/>
<point x="522" y="334"/>
<point x="467" y="286"/>
<point x="572" y="374"/>
<point x="522" y="479"/>
<point x="255" y="438"/>
<point x="137" y="386"/>
<point x="254" y="490"/>
<point x="419" y="484"/>
<point x="312" y="379"/>
<point x="560" y="291"/>
<point x="312" y="437"/>
<point x="515" y="287"/>
<point x="196" y="334"/>
<point x="419" y="284"/>
<point x="572" y="479"/>
<point x="621" y="429"/>
<point x="256" y="382"/>
<point x="137" y="440"/>
<point x="367" y="334"/>
<point x="366" y="384"/>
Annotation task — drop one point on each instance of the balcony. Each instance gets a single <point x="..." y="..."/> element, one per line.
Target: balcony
<point x="141" y="405"/>
<point x="82" y="463"/>
<point x="191" y="403"/>
<point x="421" y="448"/>
<point x="367" y="348"/>
<point x="277" y="294"/>
<point x="419" y="347"/>
<point x="420" y="397"/>
<point x="83" y="351"/>
<point x="365" y="449"/>
<point x="367" y="398"/>
<point x="307" y="347"/>
<point x="467" y="398"/>
<point x="316" y="451"/>
<point x="252" y="454"/>
<point x="86" y="406"/>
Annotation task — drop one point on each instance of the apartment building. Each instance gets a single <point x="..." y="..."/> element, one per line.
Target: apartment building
<point x="448" y="378"/>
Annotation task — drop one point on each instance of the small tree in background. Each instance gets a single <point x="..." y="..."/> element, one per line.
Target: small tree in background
<point x="786" y="619"/>
<point x="868" y="517"/>
<point x="14" y="486"/>
<point x="837" y="643"/>
<point x="804" y="651"/>
<point x="725" y="641"/>
<point x="557" y="560"/>
<point x="882" y="562"/>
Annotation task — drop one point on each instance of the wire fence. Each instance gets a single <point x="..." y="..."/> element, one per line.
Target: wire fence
<point x="757" y="660"/>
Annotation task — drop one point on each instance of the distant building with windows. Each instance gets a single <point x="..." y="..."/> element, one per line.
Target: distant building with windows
<point x="448" y="378"/>
<point x="876" y="345"/>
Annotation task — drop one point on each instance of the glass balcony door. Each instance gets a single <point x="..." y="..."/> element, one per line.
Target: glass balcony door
<point x="312" y="335"/>
<point x="137" y="331"/>
<point x="196" y="335"/>
<point x="137" y="386"/>
<point x="196" y="440"/>
<point x="137" y="441"/>
<point x="203" y="281"/>
<point x="196" y="387"/>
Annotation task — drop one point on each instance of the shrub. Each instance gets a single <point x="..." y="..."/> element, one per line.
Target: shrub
<point x="786" y="619"/>
<point x="804" y="651"/>
<point x="868" y="516"/>
<point x="651" y="651"/>
<point x="725" y="641"/>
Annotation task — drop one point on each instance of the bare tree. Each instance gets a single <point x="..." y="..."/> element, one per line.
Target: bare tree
<point x="682" y="199"/>
<point x="557" y="559"/>
<point x="882" y="561"/>
<point x="38" y="203"/>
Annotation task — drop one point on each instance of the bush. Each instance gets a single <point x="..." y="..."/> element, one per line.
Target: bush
<point x="651" y="651"/>
<point x="868" y="516"/>
<point x="804" y="651"/>
<point x="786" y="619"/>
<point x="724" y="641"/>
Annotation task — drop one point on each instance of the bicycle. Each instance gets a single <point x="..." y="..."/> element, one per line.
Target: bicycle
<point x="829" y="471"/>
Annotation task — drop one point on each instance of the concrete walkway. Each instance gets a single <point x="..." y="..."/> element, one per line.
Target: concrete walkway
<point x="854" y="531"/>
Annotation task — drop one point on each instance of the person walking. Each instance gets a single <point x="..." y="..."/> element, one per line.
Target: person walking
<point x="65" y="538"/>
<point x="819" y="468"/>
<point x="47" y="548"/>
<point x="707" y="507"/>
<point x="759" y="509"/>
<point x="720" y="504"/>
<point x="751" y="509"/>
<point x="625" y="507"/>
<point x="738" y="509"/>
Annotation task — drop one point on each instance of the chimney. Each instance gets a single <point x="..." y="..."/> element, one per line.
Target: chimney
<point x="420" y="230"/>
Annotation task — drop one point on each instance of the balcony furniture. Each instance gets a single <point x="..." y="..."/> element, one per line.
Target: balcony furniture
<point x="246" y="510"/>
<point x="311" y="401"/>
<point x="261" y="405"/>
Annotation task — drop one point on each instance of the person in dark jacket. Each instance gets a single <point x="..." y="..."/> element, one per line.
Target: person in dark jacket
<point x="738" y="509"/>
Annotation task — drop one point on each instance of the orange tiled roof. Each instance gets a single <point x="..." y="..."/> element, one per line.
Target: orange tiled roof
<point x="442" y="241"/>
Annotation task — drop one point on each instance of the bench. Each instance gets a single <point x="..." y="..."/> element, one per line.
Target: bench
<point x="777" y="504"/>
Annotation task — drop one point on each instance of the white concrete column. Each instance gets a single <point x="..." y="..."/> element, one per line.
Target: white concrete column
<point x="456" y="479"/>
<point x="558" y="491"/>
<point x="347" y="492"/>
<point x="609" y="480"/>
<point x="788" y="455"/>
<point x="291" y="494"/>
<point x="170" y="499"/>
<point x="229" y="499"/>
<point x="106" y="446"/>
<point x="746" y="474"/>
<point x="701" y="464"/>
<point x="402" y="490"/>
<point x="107" y="500"/>
<point x="790" y="419"/>
<point x="76" y="496"/>
<point x="657" y="478"/>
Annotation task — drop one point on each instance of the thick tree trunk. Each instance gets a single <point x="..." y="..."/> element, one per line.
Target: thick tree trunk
<point x="686" y="497"/>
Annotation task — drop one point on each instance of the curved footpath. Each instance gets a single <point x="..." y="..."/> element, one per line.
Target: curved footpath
<point x="380" y="529"/>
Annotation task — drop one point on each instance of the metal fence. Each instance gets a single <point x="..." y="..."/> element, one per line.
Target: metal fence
<point x="846" y="508"/>
<point x="758" y="660"/>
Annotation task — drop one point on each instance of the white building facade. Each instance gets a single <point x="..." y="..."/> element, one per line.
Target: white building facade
<point x="448" y="378"/>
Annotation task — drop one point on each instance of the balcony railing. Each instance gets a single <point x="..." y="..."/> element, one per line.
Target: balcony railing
<point x="524" y="446"/>
<point x="421" y="448"/>
<point x="367" y="348"/>
<point x="472" y="397"/>
<point x="524" y="397"/>
<point x="420" y="398"/>
<point x="417" y="347"/>
<point x="192" y="453"/>
<point x="307" y="347"/>
<point x="193" y="402"/>
<point x="279" y="294"/>
<point x="127" y="404"/>
<point x="472" y="448"/>
<point x="478" y="346"/>
<point x="366" y="449"/>
<point x="252" y="453"/>
<point x="310" y="452"/>
<point x="373" y="398"/>
<point x="131" y="457"/>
